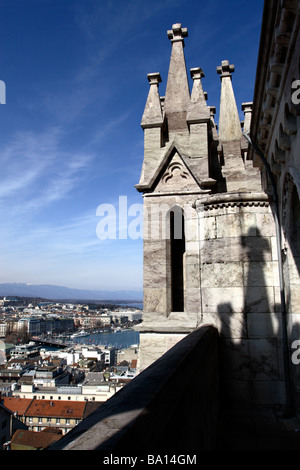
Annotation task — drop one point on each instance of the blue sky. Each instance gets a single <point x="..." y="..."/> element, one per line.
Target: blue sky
<point x="76" y="86"/>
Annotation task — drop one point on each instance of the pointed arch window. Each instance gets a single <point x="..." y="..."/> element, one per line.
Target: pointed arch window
<point x="177" y="258"/>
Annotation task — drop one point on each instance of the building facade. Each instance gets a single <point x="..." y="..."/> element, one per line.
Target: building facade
<point x="275" y="131"/>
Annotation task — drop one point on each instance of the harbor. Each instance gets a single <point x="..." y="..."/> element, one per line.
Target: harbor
<point x="117" y="338"/>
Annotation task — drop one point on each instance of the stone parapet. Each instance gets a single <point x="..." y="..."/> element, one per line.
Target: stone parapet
<point x="170" y="406"/>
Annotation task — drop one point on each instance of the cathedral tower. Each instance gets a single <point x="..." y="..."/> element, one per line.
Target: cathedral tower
<point x="209" y="234"/>
<point x="177" y="141"/>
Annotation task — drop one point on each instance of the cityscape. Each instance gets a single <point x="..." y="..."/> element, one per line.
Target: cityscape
<point x="72" y="356"/>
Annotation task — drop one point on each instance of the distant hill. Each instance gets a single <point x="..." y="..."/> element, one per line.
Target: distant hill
<point x="52" y="292"/>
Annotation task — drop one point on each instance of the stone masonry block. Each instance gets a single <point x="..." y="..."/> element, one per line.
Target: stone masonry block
<point x="223" y="299"/>
<point x="259" y="299"/>
<point x="208" y="228"/>
<point x="229" y="324"/>
<point x="261" y="273"/>
<point x="264" y="325"/>
<point x="155" y="300"/>
<point x="222" y="274"/>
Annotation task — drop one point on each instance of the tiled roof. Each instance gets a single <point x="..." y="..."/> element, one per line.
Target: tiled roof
<point x="26" y="379"/>
<point x="37" y="440"/>
<point x="17" y="405"/>
<point x="56" y="409"/>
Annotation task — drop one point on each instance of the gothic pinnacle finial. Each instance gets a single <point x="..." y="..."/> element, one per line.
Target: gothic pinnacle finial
<point x="225" y="70"/>
<point x="152" y="116"/>
<point x="197" y="73"/>
<point x="154" y="78"/>
<point x="229" y="121"/>
<point x="197" y="110"/>
<point x="177" y="33"/>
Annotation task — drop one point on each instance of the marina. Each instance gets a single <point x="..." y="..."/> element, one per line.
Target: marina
<point x="118" y="338"/>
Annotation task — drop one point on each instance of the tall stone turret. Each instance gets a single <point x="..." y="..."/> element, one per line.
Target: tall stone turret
<point x="209" y="235"/>
<point x="176" y="171"/>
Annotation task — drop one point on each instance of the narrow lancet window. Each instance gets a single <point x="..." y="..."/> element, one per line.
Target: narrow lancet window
<point x="177" y="239"/>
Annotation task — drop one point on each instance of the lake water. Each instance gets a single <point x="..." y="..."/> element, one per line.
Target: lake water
<point x="119" y="340"/>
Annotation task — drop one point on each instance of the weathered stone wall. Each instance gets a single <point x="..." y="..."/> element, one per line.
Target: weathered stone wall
<point x="240" y="293"/>
<point x="157" y="308"/>
<point x="275" y="129"/>
<point x="157" y="263"/>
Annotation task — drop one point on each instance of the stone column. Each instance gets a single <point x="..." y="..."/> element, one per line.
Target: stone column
<point x="247" y="108"/>
<point x="239" y="294"/>
<point x="229" y="121"/>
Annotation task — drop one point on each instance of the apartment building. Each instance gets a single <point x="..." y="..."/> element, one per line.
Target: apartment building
<point x="94" y="389"/>
<point x="41" y="414"/>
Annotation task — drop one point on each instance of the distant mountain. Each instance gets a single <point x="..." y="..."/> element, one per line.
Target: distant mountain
<point x="62" y="293"/>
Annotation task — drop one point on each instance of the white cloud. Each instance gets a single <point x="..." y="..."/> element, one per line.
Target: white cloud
<point x="37" y="171"/>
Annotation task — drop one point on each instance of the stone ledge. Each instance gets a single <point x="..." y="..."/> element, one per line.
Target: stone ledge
<point x="176" y="322"/>
<point x="214" y="201"/>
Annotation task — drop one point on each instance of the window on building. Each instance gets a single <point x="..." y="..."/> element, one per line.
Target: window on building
<point x="177" y="243"/>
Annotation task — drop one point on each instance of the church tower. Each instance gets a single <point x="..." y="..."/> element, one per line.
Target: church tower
<point x="209" y="234"/>
<point x="178" y="135"/>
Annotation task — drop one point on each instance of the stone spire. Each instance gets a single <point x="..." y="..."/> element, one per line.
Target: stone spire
<point x="177" y="95"/>
<point x="152" y="122"/>
<point x="153" y="116"/>
<point x="247" y="108"/>
<point x="198" y="110"/>
<point x="229" y="121"/>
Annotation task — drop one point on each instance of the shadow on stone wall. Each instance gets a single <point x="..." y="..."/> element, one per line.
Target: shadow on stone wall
<point x="291" y="270"/>
<point x="250" y="336"/>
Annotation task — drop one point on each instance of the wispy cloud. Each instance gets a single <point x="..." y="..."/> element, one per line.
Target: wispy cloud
<point x="37" y="171"/>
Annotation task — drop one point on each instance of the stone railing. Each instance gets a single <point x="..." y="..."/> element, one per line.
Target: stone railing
<point x="170" y="406"/>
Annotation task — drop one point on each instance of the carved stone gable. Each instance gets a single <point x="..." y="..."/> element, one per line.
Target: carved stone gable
<point x="176" y="177"/>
